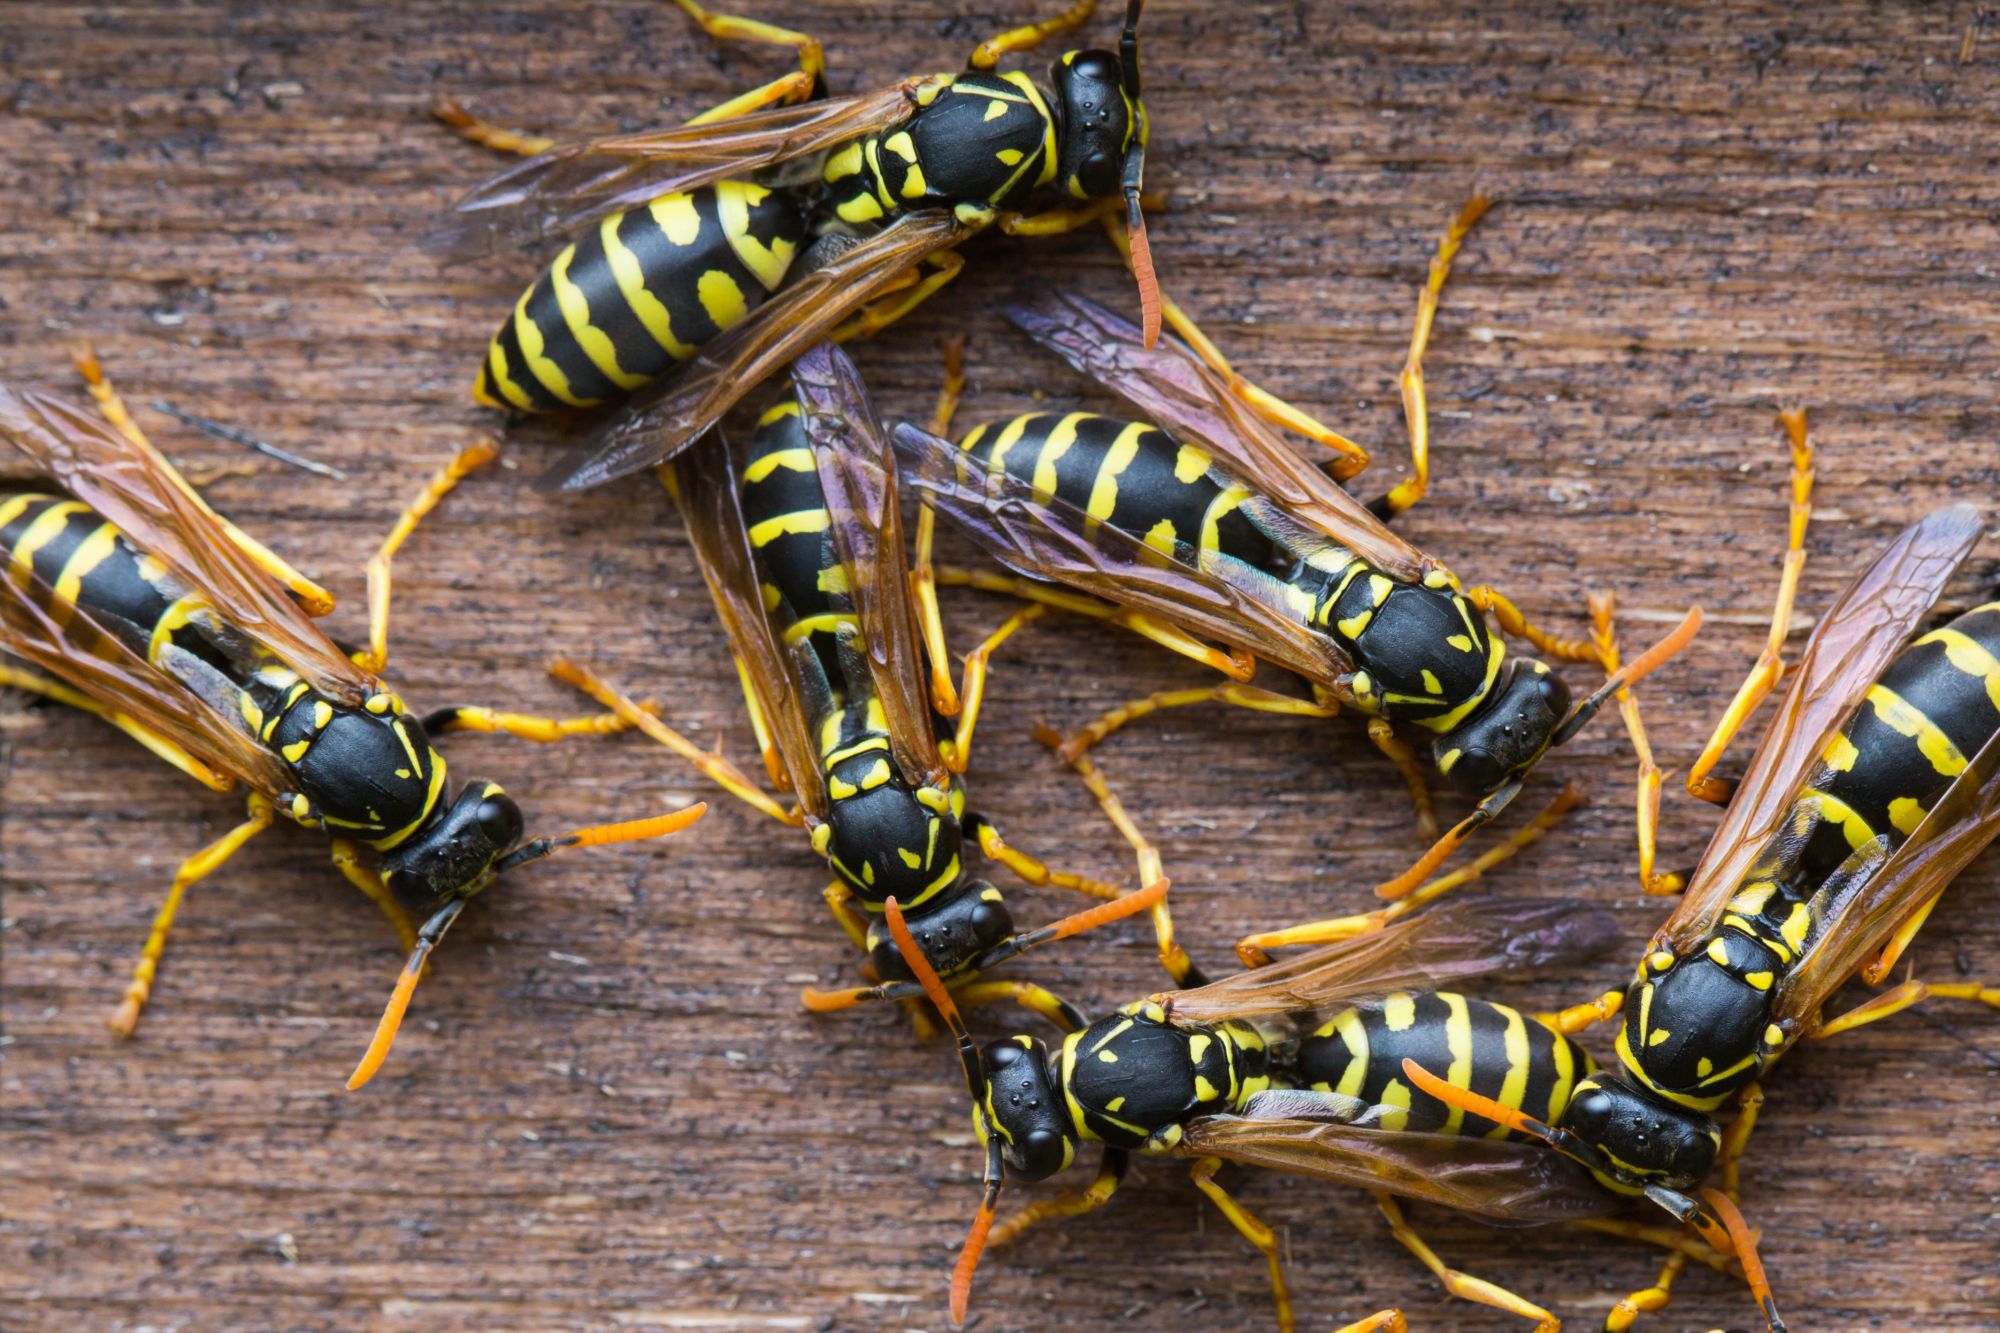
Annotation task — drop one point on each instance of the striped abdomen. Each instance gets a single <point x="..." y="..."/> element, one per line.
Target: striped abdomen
<point x="980" y="138"/>
<point x="640" y="292"/>
<point x="1489" y="1048"/>
<point x="367" y="771"/>
<point x="1421" y="651"/>
<point x="804" y="582"/>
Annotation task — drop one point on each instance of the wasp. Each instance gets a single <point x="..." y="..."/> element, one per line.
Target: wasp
<point x="709" y="254"/>
<point x="800" y="542"/>
<point x="127" y="597"/>
<point x="1297" y="1068"/>
<point x="1877" y="781"/>
<point x="1197" y="518"/>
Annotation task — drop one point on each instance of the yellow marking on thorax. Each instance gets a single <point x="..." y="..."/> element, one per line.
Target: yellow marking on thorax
<point x="1399" y="1012"/>
<point x="1191" y="464"/>
<point x="830" y="622"/>
<point x="431" y="799"/>
<point x="595" y="342"/>
<point x="1352" y="1029"/>
<point x="1226" y="503"/>
<point x="1840" y="754"/>
<point x="1445" y="722"/>
<point x="1563" y="1055"/>
<point x="1969" y="656"/>
<point x="1396" y="1106"/>
<point x="1931" y="742"/>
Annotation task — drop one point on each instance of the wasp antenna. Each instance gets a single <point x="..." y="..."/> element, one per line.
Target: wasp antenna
<point x="1642" y="665"/>
<point x="599" y="835"/>
<point x="399" y="999"/>
<point x="975" y="1239"/>
<point x="1744" y="1242"/>
<point x="940" y="998"/>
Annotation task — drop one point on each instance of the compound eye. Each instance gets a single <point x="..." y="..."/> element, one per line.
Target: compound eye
<point x="499" y="819"/>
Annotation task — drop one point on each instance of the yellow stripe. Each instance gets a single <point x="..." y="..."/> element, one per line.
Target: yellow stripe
<point x="1836" y="811"/>
<point x="533" y="348"/>
<point x="1514" y="1088"/>
<point x="496" y="373"/>
<point x="1564" y="1058"/>
<point x="1935" y="745"/>
<point x="93" y="551"/>
<point x="431" y="799"/>
<point x="1494" y="660"/>
<point x="800" y="521"/>
<point x="1010" y="435"/>
<point x="1962" y="651"/>
<point x="859" y="747"/>
<point x="40" y="533"/>
<point x="1225" y="504"/>
<point x="792" y="460"/>
<point x="1104" y="491"/>
<point x="596" y="343"/>
<point x="631" y="279"/>
<point x="11" y="509"/>
<point x="1054" y="446"/>
<point x="768" y="264"/>
<point x="829" y="623"/>
<point x="1458" y="1040"/>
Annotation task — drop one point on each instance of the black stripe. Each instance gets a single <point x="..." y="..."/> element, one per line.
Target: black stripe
<point x="634" y="349"/>
<point x="587" y="383"/>
<point x="10" y="535"/>
<point x="508" y="341"/>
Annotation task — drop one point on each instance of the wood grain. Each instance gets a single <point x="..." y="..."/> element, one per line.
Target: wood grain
<point x="609" y="1111"/>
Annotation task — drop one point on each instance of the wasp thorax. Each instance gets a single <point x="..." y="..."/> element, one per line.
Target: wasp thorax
<point x="1509" y="733"/>
<point x="887" y="839"/>
<point x="1024" y="1107"/>
<point x="453" y="855"/>
<point x="953" y="929"/>
<point x="1643" y="1139"/>
<point x="1096" y="123"/>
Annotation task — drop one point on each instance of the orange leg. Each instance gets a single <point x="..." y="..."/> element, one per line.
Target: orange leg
<point x="1650" y="777"/>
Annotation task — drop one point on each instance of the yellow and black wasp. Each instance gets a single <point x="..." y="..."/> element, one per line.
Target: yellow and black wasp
<point x="131" y="599"/>
<point x="801" y="545"/>
<point x="710" y="254"/>
<point x="1199" y="519"/>
<point x="1877" y="781"/>
<point x="1297" y="1067"/>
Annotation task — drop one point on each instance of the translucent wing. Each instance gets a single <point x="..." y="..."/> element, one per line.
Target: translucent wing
<point x="1861" y="917"/>
<point x="1174" y="390"/>
<point x="1864" y="628"/>
<point x="1504" y="1181"/>
<point x="1044" y="537"/>
<point x="1435" y="950"/>
<point x="704" y="484"/>
<point x="665" y="419"/>
<point x="857" y="472"/>
<point x="570" y="185"/>
<point x="141" y="493"/>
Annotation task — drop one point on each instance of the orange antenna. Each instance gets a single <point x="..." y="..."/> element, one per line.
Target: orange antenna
<point x="1642" y="665"/>
<point x="599" y="835"/>
<point x="1744" y="1242"/>
<point x="1472" y="1103"/>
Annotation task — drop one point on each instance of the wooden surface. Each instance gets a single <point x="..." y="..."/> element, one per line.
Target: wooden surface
<point x="609" y="1111"/>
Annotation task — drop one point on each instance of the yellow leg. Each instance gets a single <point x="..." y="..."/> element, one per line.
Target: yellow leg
<point x="1254" y="950"/>
<point x="1911" y="992"/>
<point x="923" y="574"/>
<point x="1037" y="1000"/>
<point x="347" y="860"/>
<point x="840" y="901"/>
<point x="1172" y="957"/>
<point x="316" y="601"/>
<point x="1462" y="1285"/>
<point x="1072" y="1203"/>
<point x="760" y="728"/>
<point x="1252" y="1229"/>
<point x="1416" y="407"/>
<point x="472" y="456"/>
<point x="15" y="678"/>
<point x="1513" y="623"/>
<point x="1769" y="667"/>
<point x="1650" y="1301"/>
<point x="709" y="763"/>
<point x="1351" y="458"/>
<point x="1736" y="1139"/>
<point x="486" y="134"/>
<point x="730" y="27"/>
<point x="957" y="749"/>
<point x="1578" y="1017"/>
<point x="203" y="863"/>
<point x="1647" y="808"/>
<point x="1237" y="665"/>
<point x="1030" y="35"/>
<point x="528" y="728"/>
<point x="1398" y="753"/>
<point x="1243" y="696"/>
<point x="1032" y="871"/>
<point x="1382" y="1321"/>
<point x="1899" y="942"/>
<point x="879" y="314"/>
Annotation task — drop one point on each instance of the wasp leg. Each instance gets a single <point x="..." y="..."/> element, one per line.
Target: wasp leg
<point x="840" y="901"/>
<point x="710" y="763"/>
<point x="732" y="27"/>
<point x="1649" y="1301"/>
<point x="923" y="574"/>
<point x="1462" y="1285"/>
<point x="1647" y="810"/>
<point x="1243" y="696"/>
<point x="1399" y="753"/>
<point x="879" y="314"/>
<point x="54" y="689"/>
<point x="1038" y="1000"/>
<point x="1030" y="35"/>
<point x="316" y="601"/>
<point x="202" y="864"/>
<point x="1911" y="992"/>
<point x="1172" y="957"/>
<point x="1252" y="1229"/>
<point x="1382" y="1321"/>
<point x="475" y="129"/>
<point x="1578" y="1017"/>
<point x="1513" y="623"/>
<point x="1416" y="406"/>
<point x="1070" y="1203"/>
<point x="1253" y="950"/>
<point x="347" y="860"/>
<point x="1737" y="1138"/>
<point x="379" y="581"/>
<point x="1769" y="667"/>
<point x="1030" y="870"/>
<point x="1351" y="458"/>
<point x="544" y="729"/>
<point x="760" y="728"/>
<point x="956" y="750"/>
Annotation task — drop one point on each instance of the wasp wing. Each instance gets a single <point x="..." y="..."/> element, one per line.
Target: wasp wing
<point x="1435" y="950"/>
<point x="141" y="493"/>
<point x="1173" y="389"/>
<point x="857" y="473"/>
<point x="1858" y="918"/>
<point x="704" y="485"/>
<point x="662" y="421"/>
<point x="1864" y="628"/>
<point x="1501" y="1181"/>
<point x="1044" y="537"/>
<point x="559" y="191"/>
